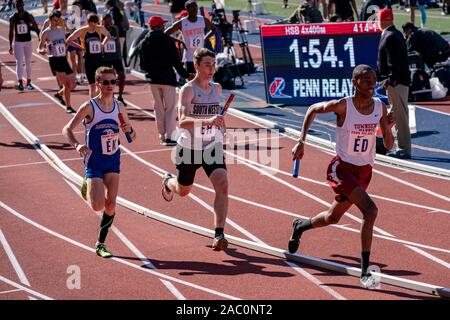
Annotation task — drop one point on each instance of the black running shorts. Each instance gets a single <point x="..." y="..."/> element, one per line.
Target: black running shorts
<point x="60" y="64"/>
<point x="188" y="161"/>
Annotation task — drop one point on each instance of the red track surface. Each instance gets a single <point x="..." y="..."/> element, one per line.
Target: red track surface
<point x="35" y="190"/>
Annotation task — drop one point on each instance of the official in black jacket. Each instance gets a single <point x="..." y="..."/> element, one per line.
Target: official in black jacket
<point x="432" y="47"/>
<point x="158" y="58"/>
<point x="393" y="74"/>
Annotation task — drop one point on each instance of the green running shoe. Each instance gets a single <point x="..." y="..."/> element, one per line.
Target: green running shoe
<point x="84" y="188"/>
<point x="102" y="251"/>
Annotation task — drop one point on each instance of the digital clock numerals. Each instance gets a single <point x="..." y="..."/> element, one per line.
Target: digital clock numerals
<point x="316" y="58"/>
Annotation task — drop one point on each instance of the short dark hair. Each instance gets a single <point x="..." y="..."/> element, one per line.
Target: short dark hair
<point x="92" y="17"/>
<point x="54" y="13"/>
<point x="200" y="53"/>
<point x="190" y="3"/>
<point x="408" y="26"/>
<point x="361" y="70"/>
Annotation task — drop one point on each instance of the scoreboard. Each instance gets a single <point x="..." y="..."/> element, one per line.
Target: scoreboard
<point x="309" y="63"/>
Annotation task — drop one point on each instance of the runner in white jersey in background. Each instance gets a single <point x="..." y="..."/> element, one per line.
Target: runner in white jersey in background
<point x="192" y="28"/>
<point x="350" y="171"/>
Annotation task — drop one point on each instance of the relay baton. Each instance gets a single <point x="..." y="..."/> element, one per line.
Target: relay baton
<point x="127" y="134"/>
<point x="296" y="168"/>
<point x="227" y="104"/>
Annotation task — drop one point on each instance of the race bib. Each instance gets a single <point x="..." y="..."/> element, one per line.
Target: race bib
<point x="59" y="49"/>
<point x="110" y="47"/>
<point x="195" y="42"/>
<point x="22" y="28"/>
<point x="95" y="47"/>
<point x="359" y="144"/>
<point x="110" y="143"/>
<point x="208" y="132"/>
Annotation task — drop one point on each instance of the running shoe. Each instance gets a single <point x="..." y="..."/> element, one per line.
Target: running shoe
<point x="83" y="189"/>
<point x="69" y="109"/>
<point x="294" y="241"/>
<point x="119" y="98"/>
<point x="220" y="243"/>
<point x="167" y="194"/>
<point x="168" y="142"/>
<point x="30" y="86"/>
<point x="19" y="87"/>
<point x="369" y="281"/>
<point x="102" y="251"/>
<point x="60" y="98"/>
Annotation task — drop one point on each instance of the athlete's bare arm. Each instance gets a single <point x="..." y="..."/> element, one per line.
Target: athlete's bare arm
<point x="84" y="112"/>
<point x="186" y="122"/>
<point x="11" y="34"/>
<point x="211" y="27"/>
<point x="106" y="33"/>
<point x="173" y="28"/>
<point x="336" y="106"/>
<point x="74" y="36"/>
<point x="387" y="121"/>
<point x="43" y="39"/>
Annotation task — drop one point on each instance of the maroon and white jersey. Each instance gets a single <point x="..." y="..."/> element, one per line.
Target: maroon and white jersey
<point x="356" y="139"/>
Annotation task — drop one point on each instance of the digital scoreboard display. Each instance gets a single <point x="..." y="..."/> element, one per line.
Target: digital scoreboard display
<point x="309" y="63"/>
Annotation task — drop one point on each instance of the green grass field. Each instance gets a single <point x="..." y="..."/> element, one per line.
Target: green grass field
<point x="435" y="20"/>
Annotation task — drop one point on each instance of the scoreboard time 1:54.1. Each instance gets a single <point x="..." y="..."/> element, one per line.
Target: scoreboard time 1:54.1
<point x="308" y="63"/>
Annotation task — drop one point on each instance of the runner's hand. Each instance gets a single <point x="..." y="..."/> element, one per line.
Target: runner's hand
<point x="217" y="121"/>
<point x="126" y="127"/>
<point x="83" y="150"/>
<point x="11" y="51"/>
<point x="390" y="119"/>
<point x="298" y="151"/>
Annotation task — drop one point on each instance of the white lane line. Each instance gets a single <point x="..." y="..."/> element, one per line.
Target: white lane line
<point x="12" y="258"/>
<point x="128" y="243"/>
<point x="21" y="287"/>
<point x="325" y="203"/>
<point x="429" y="256"/>
<point x="158" y="171"/>
<point x="174" y="290"/>
<point x="412" y="204"/>
<point x="9" y="291"/>
<point x="432" y="193"/>
<point x="119" y="260"/>
<point x="432" y="110"/>
<point x="313" y="279"/>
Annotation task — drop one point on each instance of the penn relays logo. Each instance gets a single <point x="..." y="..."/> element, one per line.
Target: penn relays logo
<point x="276" y="88"/>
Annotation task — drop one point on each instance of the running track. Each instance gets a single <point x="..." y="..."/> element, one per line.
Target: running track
<point x="47" y="230"/>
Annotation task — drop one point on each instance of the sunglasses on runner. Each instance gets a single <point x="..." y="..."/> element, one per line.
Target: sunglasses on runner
<point x="108" y="82"/>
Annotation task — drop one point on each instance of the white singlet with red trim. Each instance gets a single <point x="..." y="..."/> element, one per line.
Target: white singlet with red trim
<point x="356" y="139"/>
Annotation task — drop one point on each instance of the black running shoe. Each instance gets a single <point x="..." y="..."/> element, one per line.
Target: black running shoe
<point x="60" y="98"/>
<point x="294" y="241"/>
<point x="69" y="109"/>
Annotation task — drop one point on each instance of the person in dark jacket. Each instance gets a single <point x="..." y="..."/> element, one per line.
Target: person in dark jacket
<point x="429" y="44"/>
<point x="393" y="74"/>
<point x="158" y="57"/>
<point x="345" y="9"/>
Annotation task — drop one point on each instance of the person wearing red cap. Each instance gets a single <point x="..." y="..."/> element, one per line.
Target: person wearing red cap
<point x="393" y="75"/>
<point x="159" y="68"/>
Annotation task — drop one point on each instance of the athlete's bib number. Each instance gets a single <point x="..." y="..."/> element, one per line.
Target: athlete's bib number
<point x="22" y="28"/>
<point x="359" y="144"/>
<point x="110" y="47"/>
<point x="195" y="42"/>
<point x="110" y="143"/>
<point x="208" y="132"/>
<point x="95" y="46"/>
<point x="59" y="49"/>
